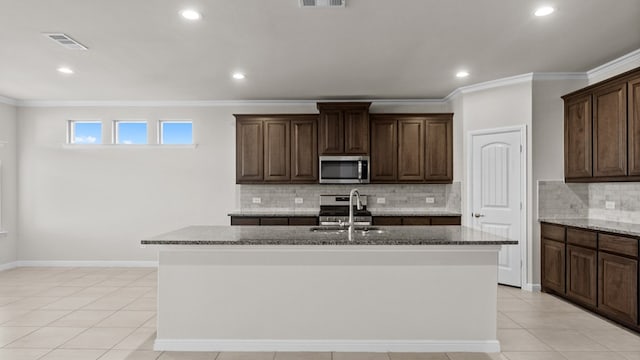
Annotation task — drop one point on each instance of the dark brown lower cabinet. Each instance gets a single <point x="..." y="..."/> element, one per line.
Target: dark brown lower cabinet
<point x="597" y="270"/>
<point x="618" y="287"/>
<point x="416" y="220"/>
<point x="553" y="266"/>
<point x="581" y="275"/>
<point x="274" y="221"/>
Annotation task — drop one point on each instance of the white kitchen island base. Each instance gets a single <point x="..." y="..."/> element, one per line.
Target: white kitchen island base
<point x="438" y="298"/>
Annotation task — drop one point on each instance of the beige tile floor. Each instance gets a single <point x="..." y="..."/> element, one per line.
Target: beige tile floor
<point x="109" y="314"/>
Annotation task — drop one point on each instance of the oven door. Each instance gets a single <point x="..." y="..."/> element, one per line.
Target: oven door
<point x="344" y="169"/>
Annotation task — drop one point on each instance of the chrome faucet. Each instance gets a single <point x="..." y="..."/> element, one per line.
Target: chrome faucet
<point x="358" y="205"/>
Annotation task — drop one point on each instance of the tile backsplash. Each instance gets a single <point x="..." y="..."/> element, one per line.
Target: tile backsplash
<point x="560" y="200"/>
<point x="445" y="196"/>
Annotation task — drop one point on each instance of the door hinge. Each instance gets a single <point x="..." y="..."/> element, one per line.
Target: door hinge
<point x="520" y="148"/>
<point x="520" y="205"/>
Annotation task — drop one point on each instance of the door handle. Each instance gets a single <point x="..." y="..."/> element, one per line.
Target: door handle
<point x="478" y="215"/>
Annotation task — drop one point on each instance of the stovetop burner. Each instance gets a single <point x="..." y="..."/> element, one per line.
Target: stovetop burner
<point x="334" y="209"/>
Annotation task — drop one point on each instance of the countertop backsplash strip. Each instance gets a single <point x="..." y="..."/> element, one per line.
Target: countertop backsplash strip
<point x="446" y="197"/>
<point x="576" y="200"/>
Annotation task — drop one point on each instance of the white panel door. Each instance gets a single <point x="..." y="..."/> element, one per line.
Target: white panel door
<point x="497" y="195"/>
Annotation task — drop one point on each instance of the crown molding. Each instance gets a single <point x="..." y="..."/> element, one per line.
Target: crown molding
<point x="511" y="80"/>
<point x="560" y="76"/>
<point x="8" y="101"/>
<point x="212" y="103"/>
<point x="614" y="64"/>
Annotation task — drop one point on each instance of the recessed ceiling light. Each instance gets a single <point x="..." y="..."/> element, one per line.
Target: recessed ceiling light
<point x="65" y="70"/>
<point x="238" y="76"/>
<point x="190" y="14"/>
<point x="544" y="11"/>
<point x="462" y="74"/>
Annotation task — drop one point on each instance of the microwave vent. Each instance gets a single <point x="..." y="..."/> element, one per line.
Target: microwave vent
<point x="322" y="3"/>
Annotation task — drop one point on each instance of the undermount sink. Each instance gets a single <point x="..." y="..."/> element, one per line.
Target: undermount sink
<point x="341" y="229"/>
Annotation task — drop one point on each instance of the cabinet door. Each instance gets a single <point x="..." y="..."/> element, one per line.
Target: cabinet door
<point x="331" y="132"/>
<point x="610" y="131"/>
<point x="384" y="150"/>
<point x="249" y="151"/>
<point x="304" y="150"/>
<point x="411" y="150"/>
<point x="634" y="126"/>
<point x="577" y="137"/>
<point x="356" y="132"/>
<point x="439" y="150"/>
<point x="581" y="275"/>
<point x="553" y="266"/>
<point x="618" y="287"/>
<point x="276" y="150"/>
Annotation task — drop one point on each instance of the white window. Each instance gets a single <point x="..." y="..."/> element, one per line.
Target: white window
<point x="175" y="132"/>
<point x="84" y="132"/>
<point x="130" y="132"/>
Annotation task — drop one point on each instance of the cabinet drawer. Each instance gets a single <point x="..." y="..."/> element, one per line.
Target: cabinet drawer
<point x="235" y="220"/>
<point x="445" y="220"/>
<point x="552" y="232"/>
<point x="582" y="238"/>
<point x="387" y="220"/>
<point x="619" y="245"/>
<point x="307" y="220"/>
<point x="416" y="220"/>
<point x="274" y="221"/>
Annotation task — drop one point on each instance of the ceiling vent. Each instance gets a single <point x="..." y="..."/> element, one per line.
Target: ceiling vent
<point x="65" y="40"/>
<point x="322" y="3"/>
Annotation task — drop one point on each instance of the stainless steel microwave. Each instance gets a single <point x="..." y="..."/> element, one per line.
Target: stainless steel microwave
<point x="344" y="169"/>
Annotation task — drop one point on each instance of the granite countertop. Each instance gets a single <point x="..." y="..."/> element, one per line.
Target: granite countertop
<point x="304" y="235"/>
<point x="599" y="225"/>
<point x="314" y="212"/>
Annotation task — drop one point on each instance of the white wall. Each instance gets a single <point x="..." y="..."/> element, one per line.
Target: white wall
<point x="96" y="204"/>
<point x="497" y="107"/>
<point x="8" y="139"/>
<point x="547" y="148"/>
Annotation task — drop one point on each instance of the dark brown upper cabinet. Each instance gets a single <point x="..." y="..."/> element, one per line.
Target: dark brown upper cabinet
<point x="439" y="149"/>
<point x="602" y="131"/>
<point x="249" y="149"/>
<point x="633" y="114"/>
<point x="343" y="128"/>
<point x="577" y="137"/>
<point x="304" y="149"/>
<point x="276" y="149"/>
<point x="610" y="130"/>
<point x="384" y="152"/>
<point x="277" y="139"/>
<point x="412" y="148"/>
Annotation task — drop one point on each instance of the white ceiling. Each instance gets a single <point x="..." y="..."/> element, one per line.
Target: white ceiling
<point x="375" y="49"/>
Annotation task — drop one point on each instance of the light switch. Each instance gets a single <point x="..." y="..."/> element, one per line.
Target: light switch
<point x="430" y="200"/>
<point x="298" y="200"/>
<point x="610" y="204"/>
<point x="256" y="200"/>
<point x="381" y="200"/>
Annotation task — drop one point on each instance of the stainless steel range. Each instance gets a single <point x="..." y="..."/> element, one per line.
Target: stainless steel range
<point x="334" y="210"/>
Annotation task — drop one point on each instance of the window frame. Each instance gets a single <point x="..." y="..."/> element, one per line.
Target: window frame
<point x="173" y="121"/>
<point x="115" y="133"/>
<point x="71" y="131"/>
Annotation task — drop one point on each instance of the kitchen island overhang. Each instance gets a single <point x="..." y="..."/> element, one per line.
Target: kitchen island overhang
<point x="414" y="289"/>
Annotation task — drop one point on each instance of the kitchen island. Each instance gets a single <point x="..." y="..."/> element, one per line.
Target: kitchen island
<point x="394" y="288"/>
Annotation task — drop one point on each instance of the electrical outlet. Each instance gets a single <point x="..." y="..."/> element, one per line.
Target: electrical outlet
<point x="610" y="205"/>
<point x="431" y="200"/>
<point x="256" y="200"/>
<point x="298" y="200"/>
<point x="381" y="200"/>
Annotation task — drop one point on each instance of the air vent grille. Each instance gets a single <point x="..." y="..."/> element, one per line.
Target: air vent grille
<point x="65" y="40"/>
<point x="322" y="3"/>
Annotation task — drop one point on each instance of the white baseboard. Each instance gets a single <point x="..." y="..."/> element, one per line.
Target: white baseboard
<point x="532" y="287"/>
<point x="80" y="263"/>
<point x="8" y="266"/>
<point x="327" y="345"/>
